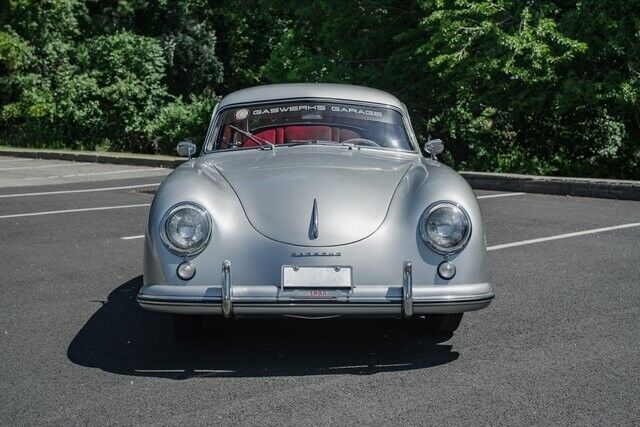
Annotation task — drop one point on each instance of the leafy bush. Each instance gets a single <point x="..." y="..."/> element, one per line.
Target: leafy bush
<point x="128" y="71"/>
<point x="178" y="121"/>
<point x="517" y="86"/>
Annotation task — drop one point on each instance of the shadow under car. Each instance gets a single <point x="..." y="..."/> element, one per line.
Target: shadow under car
<point x="124" y="339"/>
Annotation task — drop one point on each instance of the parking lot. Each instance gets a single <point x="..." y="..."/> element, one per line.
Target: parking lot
<point x="559" y="344"/>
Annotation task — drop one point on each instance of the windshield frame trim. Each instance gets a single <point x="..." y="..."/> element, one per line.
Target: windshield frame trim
<point x="212" y="136"/>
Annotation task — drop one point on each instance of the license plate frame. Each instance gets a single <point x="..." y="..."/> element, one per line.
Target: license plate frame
<point x="316" y="277"/>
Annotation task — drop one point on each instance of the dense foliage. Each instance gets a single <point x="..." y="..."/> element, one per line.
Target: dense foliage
<point x="549" y="87"/>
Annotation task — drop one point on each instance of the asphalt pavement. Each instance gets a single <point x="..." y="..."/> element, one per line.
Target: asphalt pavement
<point x="560" y="344"/>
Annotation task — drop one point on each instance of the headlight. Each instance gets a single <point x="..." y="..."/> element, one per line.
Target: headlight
<point x="445" y="227"/>
<point x="186" y="229"/>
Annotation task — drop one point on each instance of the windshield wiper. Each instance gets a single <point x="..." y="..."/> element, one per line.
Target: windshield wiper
<point x="350" y="146"/>
<point x="261" y="142"/>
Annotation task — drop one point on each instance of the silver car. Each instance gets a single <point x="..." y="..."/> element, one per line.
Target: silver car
<point x="314" y="201"/>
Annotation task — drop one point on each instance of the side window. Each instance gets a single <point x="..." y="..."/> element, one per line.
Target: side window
<point x="229" y="138"/>
<point x="225" y="138"/>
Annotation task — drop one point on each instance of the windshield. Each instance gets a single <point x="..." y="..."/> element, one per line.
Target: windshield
<point x="311" y="122"/>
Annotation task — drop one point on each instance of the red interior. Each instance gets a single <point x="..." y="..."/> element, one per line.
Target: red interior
<point x="285" y="134"/>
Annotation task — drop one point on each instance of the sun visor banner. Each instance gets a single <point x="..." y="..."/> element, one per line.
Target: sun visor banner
<point x="314" y="111"/>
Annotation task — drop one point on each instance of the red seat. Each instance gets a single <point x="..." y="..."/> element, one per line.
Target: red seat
<point x="270" y="135"/>
<point x="286" y="134"/>
<point x="297" y="133"/>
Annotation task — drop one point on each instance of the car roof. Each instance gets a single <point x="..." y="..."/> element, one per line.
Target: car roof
<point x="310" y="90"/>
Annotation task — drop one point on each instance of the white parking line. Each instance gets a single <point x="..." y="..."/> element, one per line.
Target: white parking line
<point x="57" y="165"/>
<point x="349" y="367"/>
<point x="141" y="236"/>
<point x="493" y="196"/>
<point x="563" y="236"/>
<point x="86" y="190"/>
<point x="97" y="173"/>
<point x="393" y="365"/>
<point x="101" y="208"/>
<point x="14" y="160"/>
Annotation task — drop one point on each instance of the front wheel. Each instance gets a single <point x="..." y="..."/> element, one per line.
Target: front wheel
<point x="187" y="327"/>
<point x="443" y="324"/>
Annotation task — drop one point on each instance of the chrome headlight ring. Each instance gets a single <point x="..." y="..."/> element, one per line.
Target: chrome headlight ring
<point x="452" y="216"/>
<point x="175" y="228"/>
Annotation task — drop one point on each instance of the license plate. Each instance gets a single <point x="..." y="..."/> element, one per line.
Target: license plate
<point x="316" y="277"/>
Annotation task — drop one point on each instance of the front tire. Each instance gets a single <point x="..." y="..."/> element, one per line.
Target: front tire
<point x="187" y="327"/>
<point x="443" y="324"/>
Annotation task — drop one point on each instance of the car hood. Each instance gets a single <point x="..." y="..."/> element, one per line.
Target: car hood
<point x="352" y="190"/>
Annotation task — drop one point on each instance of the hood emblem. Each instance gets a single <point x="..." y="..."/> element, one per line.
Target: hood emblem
<point x="313" y="227"/>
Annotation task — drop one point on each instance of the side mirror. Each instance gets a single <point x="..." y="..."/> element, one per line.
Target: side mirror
<point x="434" y="147"/>
<point x="186" y="149"/>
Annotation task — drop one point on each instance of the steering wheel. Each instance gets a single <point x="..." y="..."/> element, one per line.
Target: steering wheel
<point x="361" y="141"/>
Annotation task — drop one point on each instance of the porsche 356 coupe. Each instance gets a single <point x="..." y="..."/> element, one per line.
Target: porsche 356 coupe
<point x="314" y="201"/>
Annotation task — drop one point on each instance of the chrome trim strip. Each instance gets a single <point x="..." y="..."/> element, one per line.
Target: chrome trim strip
<point x="407" y="290"/>
<point x="216" y="303"/>
<point x="257" y="300"/>
<point x="227" y="303"/>
<point x="314" y="219"/>
<point x="452" y="302"/>
<point x="174" y="303"/>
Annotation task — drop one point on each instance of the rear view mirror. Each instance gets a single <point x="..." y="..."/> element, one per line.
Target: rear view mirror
<point x="434" y="147"/>
<point x="186" y="149"/>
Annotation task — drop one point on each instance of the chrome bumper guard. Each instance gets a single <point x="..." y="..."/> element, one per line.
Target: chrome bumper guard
<point x="407" y="290"/>
<point x="227" y="291"/>
<point x="224" y="303"/>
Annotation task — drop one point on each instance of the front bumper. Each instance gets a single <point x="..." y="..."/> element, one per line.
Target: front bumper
<point x="372" y="301"/>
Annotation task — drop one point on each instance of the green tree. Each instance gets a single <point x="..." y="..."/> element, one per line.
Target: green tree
<point x="127" y="70"/>
<point x="512" y="85"/>
<point x="521" y="86"/>
<point x="185" y="30"/>
<point x="37" y="43"/>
